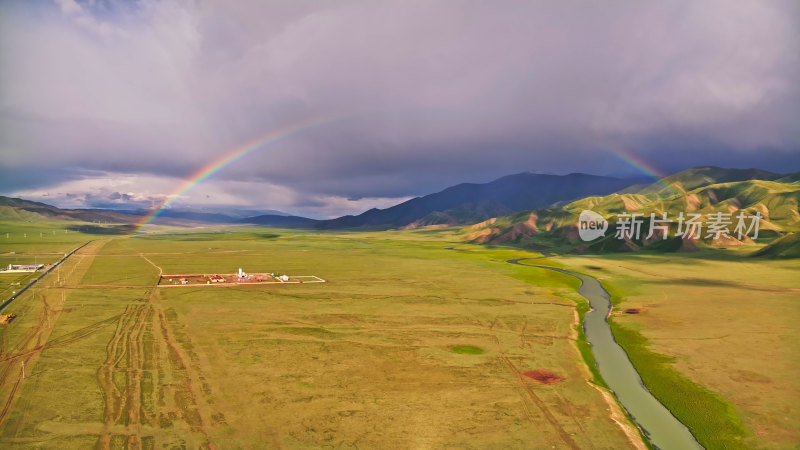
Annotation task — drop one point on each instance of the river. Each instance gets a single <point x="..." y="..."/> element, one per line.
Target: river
<point x="659" y="425"/>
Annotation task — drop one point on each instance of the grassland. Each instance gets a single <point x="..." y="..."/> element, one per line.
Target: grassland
<point x="715" y="339"/>
<point x="33" y="243"/>
<point x="414" y="342"/>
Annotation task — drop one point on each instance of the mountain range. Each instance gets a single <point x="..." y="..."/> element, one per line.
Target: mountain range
<point x="20" y="209"/>
<point x="702" y="190"/>
<point x="530" y="210"/>
<point x="471" y="202"/>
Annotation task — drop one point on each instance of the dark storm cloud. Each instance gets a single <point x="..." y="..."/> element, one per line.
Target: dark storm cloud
<point x="20" y="178"/>
<point x="428" y="93"/>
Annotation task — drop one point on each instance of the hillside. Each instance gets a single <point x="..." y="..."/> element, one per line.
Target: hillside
<point x="701" y="190"/>
<point x="785" y="247"/>
<point x="272" y="220"/>
<point x="19" y="209"/>
<point x="697" y="177"/>
<point x="16" y="209"/>
<point x="462" y="214"/>
<point x="470" y="202"/>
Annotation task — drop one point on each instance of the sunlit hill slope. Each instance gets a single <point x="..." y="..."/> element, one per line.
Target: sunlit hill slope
<point x="703" y="190"/>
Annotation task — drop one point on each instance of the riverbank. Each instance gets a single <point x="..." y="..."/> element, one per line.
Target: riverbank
<point x="714" y="338"/>
<point x="657" y="422"/>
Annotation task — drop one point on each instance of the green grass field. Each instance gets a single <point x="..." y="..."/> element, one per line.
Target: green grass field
<point x="417" y="340"/>
<point x="33" y="243"/>
<point x="414" y="342"/>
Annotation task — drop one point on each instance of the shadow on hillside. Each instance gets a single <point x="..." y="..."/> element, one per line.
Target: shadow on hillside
<point x="710" y="282"/>
<point x="103" y="229"/>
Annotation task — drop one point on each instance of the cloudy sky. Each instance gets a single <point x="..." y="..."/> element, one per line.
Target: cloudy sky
<point x="106" y="103"/>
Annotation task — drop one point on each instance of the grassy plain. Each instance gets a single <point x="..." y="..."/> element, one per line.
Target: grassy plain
<point x="33" y="243"/>
<point x="715" y="339"/>
<point x="414" y="343"/>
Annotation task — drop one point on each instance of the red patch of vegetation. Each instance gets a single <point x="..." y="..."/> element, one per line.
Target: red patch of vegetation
<point x="632" y="311"/>
<point x="543" y="376"/>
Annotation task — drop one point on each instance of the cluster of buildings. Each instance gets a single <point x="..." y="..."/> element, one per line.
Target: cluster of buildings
<point x="15" y="268"/>
<point x="240" y="277"/>
<point x="243" y="276"/>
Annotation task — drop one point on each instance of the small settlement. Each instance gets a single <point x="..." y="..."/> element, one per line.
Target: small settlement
<point x="234" y="279"/>
<point x="19" y="268"/>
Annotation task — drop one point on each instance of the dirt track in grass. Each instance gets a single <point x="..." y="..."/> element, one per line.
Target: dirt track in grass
<point x="23" y="354"/>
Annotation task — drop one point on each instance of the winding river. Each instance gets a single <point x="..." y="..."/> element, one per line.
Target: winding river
<point x="659" y="425"/>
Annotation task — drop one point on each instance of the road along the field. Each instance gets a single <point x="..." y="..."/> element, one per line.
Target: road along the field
<point x="20" y="351"/>
<point x="35" y="280"/>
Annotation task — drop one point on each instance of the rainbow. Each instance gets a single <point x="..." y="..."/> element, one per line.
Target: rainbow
<point x="642" y="166"/>
<point x="228" y="158"/>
